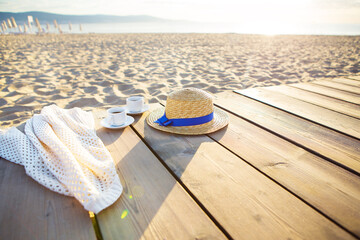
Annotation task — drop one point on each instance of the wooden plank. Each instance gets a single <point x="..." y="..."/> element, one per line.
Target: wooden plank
<point x="330" y="92"/>
<point x="245" y="202"/>
<point x="153" y="205"/>
<point x="354" y="77"/>
<point x="327" y="187"/>
<point x="339" y="86"/>
<point x="346" y="81"/>
<point x="349" y="109"/>
<point x="31" y="211"/>
<point x="339" y="148"/>
<point x="328" y="118"/>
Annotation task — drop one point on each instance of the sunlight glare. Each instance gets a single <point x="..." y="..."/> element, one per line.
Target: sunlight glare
<point x="124" y="214"/>
<point x="275" y="17"/>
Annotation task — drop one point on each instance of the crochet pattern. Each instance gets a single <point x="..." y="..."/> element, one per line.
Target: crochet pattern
<point x="61" y="151"/>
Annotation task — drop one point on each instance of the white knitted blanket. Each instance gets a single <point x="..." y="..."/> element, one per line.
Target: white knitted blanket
<point x="61" y="151"/>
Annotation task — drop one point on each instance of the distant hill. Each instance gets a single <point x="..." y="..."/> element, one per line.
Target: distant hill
<point x="21" y="17"/>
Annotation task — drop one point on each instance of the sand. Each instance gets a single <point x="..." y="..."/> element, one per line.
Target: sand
<point x="102" y="70"/>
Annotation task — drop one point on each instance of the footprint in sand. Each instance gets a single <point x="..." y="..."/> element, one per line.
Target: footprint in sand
<point x="197" y="85"/>
<point x="155" y="88"/>
<point x="11" y="113"/>
<point x="125" y="87"/>
<point x="26" y="100"/>
<point x="130" y="73"/>
<point x="91" y="90"/>
<point x="162" y="97"/>
<point x="14" y="93"/>
<point x="138" y="91"/>
<point x="57" y="97"/>
<point x="212" y="89"/>
<point x="114" y="67"/>
<point x="183" y="82"/>
<point x="67" y="78"/>
<point x="2" y="102"/>
<point x="115" y="100"/>
<point x="184" y="75"/>
<point x="84" y="102"/>
<point x="102" y="83"/>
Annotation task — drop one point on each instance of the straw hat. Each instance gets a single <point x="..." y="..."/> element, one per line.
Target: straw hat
<point x="189" y="111"/>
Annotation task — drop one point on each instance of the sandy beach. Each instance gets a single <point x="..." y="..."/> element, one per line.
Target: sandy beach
<point x="102" y="70"/>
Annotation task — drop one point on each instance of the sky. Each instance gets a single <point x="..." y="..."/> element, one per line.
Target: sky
<point x="268" y="14"/>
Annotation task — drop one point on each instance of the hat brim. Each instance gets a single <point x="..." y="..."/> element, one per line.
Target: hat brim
<point x="220" y="120"/>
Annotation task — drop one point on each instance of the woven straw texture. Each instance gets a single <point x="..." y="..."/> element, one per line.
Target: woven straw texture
<point x="189" y="103"/>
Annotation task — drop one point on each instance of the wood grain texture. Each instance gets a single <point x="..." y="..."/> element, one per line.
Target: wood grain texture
<point x="325" y="117"/>
<point x="352" y="110"/>
<point x="30" y="211"/>
<point x="245" y="202"/>
<point x="354" y="77"/>
<point x="339" y="86"/>
<point x="330" y="92"/>
<point x="340" y="148"/>
<point x="347" y="81"/>
<point x="327" y="187"/>
<point x="153" y="205"/>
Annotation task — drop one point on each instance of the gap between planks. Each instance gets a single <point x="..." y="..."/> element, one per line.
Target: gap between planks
<point x="162" y="197"/>
<point x="330" y="103"/>
<point x="357" y="78"/>
<point x="301" y="132"/>
<point x="287" y="189"/>
<point x="296" y="193"/>
<point x="153" y="140"/>
<point x="346" y="81"/>
<point x="338" y="86"/>
<point x="318" y="115"/>
<point x="328" y="92"/>
<point x="206" y="211"/>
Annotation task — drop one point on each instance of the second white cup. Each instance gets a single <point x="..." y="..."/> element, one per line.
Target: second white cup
<point x="135" y="103"/>
<point x="116" y="116"/>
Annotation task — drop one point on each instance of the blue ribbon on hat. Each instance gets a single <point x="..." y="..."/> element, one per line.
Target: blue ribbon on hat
<point x="182" y="122"/>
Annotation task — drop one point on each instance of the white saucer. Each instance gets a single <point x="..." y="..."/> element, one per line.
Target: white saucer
<point x="129" y="120"/>
<point x="144" y="109"/>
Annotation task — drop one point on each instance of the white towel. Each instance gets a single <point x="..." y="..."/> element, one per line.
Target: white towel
<point x="61" y="151"/>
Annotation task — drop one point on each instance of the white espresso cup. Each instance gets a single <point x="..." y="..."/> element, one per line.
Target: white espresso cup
<point x="116" y="116"/>
<point x="135" y="103"/>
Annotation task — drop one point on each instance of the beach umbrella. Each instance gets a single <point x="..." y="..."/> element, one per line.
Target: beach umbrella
<point x="25" y="28"/>
<point x="55" y="24"/>
<point x="20" y="28"/>
<point x="9" y="23"/>
<point x="30" y="21"/>
<point x="3" y="25"/>
<point x="70" y="27"/>
<point x="38" y="25"/>
<point x="13" y="22"/>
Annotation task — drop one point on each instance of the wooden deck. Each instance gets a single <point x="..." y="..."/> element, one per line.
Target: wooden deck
<point x="286" y="167"/>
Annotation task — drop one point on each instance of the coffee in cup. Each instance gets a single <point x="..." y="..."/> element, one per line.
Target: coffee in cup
<point x="116" y="116"/>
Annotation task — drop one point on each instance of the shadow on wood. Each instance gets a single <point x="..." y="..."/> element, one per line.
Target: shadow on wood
<point x="153" y="204"/>
<point x="31" y="211"/>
